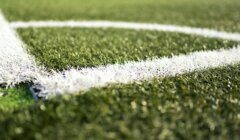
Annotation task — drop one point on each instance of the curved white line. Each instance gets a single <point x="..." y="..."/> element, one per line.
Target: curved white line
<point x="130" y="25"/>
<point x="74" y="80"/>
<point x="17" y="66"/>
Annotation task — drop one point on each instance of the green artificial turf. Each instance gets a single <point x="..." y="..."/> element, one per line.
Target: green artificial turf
<point x="199" y="105"/>
<point x="222" y="15"/>
<point x="15" y="98"/>
<point x="78" y="47"/>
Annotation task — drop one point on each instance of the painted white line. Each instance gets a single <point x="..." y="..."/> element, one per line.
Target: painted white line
<point x="130" y="25"/>
<point x="16" y="65"/>
<point x="73" y="81"/>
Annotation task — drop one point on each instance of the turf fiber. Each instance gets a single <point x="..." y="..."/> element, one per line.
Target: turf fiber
<point x="222" y="15"/>
<point x="15" y="98"/>
<point x="78" y="47"/>
<point x="203" y="105"/>
<point x="199" y="105"/>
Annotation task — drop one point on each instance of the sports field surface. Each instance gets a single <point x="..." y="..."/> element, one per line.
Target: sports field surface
<point x="111" y="69"/>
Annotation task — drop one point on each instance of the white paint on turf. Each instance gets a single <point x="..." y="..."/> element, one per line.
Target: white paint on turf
<point x="16" y="65"/>
<point x="73" y="80"/>
<point x="130" y="25"/>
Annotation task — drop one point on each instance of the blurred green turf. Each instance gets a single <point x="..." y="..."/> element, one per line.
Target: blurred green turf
<point x="15" y="98"/>
<point x="222" y="15"/>
<point x="78" y="47"/>
<point x="200" y="105"/>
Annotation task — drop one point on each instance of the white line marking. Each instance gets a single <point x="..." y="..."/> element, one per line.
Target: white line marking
<point x="130" y="25"/>
<point x="16" y="65"/>
<point x="73" y="81"/>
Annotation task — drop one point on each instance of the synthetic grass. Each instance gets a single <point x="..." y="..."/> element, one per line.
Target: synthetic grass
<point x="200" y="105"/>
<point x="15" y="98"/>
<point x="222" y="15"/>
<point x="79" y="47"/>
